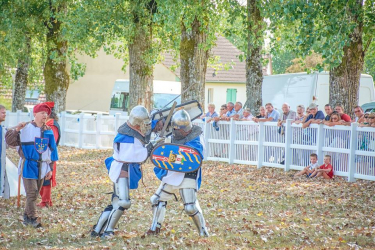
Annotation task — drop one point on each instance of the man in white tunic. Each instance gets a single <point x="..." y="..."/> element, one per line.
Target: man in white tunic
<point x="187" y="184"/>
<point x="130" y="149"/>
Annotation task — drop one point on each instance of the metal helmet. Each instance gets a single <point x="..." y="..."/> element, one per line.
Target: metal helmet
<point x="181" y="120"/>
<point x="139" y="116"/>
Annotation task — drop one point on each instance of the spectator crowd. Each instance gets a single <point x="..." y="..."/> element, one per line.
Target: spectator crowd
<point x="332" y="116"/>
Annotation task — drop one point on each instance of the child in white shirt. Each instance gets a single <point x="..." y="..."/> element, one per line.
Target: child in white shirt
<point x="310" y="168"/>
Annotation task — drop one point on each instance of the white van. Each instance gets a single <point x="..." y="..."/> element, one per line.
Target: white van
<point x="164" y="92"/>
<point x="303" y="88"/>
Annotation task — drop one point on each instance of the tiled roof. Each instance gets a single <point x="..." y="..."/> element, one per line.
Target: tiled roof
<point x="228" y="54"/>
<point x="6" y="93"/>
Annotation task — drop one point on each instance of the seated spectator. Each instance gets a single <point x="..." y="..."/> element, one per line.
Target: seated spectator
<point x="325" y="170"/>
<point x="340" y="109"/>
<point x="262" y="112"/>
<point x="316" y="116"/>
<point x="359" y="114"/>
<point x="287" y="114"/>
<point x="328" y="109"/>
<point x="272" y="115"/>
<point x="210" y="114"/>
<point x="247" y="116"/>
<point x="310" y="168"/>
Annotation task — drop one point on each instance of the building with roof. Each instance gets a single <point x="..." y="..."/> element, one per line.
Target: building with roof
<point x="96" y="88"/>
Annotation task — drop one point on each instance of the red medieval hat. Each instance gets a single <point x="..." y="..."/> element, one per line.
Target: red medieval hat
<point x="42" y="107"/>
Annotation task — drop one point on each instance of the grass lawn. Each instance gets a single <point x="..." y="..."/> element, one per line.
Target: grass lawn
<point x="244" y="207"/>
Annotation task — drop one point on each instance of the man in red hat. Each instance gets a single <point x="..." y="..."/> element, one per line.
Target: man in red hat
<point x="37" y="148"/>
<point x="45" y="192"/>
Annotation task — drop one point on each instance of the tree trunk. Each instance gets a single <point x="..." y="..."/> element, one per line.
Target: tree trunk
<point x="21" y="79"/>
<point x="344" y="79"/>
<point x="55" y="72"/>
<point x="141" y="72"/>
<point x="254" y="74"/>
<point x="20" y="85"/>
<point x="193" y="63"/>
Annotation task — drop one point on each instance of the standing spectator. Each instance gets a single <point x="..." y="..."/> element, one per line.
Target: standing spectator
<point x="239" y="111"/>
<point x="45" y="191"/>
<point x="272" y="115"/>
<point x="300" y="113"/>
<point x="316" y="116"/>
<point x="38" y="161"/>
<point x="222" y="114"/>
<point x="247" y="116"/>
<point x="211" y="113"/>
<point x="328" y="109"/>
<point x="359" y="115"/>
<point x="231" y="112"/>
<point x="308" y="112"/>
<point x="3" y="181"/>
<point x="300" y="116"/>
<point x="262" y="113"/>
<point x="287" y="114"/>
<point x="335" y="119"/>
<point x="339" y="109"/>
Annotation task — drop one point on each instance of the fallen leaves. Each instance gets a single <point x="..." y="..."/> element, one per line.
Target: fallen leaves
<point x="244" y="207"/>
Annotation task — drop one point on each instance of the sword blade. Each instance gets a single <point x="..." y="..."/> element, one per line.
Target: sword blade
<point x="167" y="120"/>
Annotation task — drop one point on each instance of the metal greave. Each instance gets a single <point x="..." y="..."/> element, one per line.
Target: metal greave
<point x="192" y="208"/>
<point x="120" y="205"/>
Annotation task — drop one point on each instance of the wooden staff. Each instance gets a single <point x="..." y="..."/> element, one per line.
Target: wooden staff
<point x="19" y="185"/>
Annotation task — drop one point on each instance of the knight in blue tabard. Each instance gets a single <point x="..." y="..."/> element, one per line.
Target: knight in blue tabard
<point x="131" y="147"/>
<point x="37" y="148"/>
<point x="184" y="133"/>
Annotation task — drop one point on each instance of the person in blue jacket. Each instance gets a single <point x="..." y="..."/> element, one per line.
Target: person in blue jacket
<point x="38" y="151"/>
<point x="184" y="133"/>
<point x="130" y="149"/>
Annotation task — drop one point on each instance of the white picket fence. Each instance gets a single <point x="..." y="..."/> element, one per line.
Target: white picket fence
<point x="352" y="148"/>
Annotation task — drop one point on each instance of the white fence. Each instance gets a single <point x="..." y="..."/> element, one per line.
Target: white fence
<point x="352" y="149"/>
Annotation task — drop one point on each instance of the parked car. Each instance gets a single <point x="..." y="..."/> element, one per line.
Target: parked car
<point x="368" y="107"/>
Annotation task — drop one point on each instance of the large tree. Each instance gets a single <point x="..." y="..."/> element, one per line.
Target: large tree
<point x="245" y="28"/>
<point x="341" y="31"/>
<point x="18" y="47"/>
<point x="254" y="73"/>
<point x="55" y="69"/>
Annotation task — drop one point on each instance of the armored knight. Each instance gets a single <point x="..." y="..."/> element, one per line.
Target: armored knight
<point x="184" y="133"/>
<point x="130" y="149"/>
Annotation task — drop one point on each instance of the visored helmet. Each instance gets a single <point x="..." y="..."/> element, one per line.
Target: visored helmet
<point x="181" y="120"/>
<point x="139" y="116"/>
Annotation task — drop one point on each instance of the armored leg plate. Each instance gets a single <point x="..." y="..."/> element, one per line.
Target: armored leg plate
<point x="193" y="209"/>
<point x="119" y="205"/>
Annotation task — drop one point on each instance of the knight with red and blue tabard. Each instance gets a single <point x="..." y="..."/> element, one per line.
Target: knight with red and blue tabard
<point x="131" y="147"/>
<point x="184" y="133"/>
<point x="37" y="148"/>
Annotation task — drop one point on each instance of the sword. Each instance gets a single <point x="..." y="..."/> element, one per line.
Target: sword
<point x="167" y="120"/>
<point x="178" y="95"/>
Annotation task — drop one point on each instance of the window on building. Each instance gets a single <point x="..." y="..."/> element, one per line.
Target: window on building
<point x="120" y="101"/>
<point x="231" y="95"/>
<point x="210" y="95"/>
